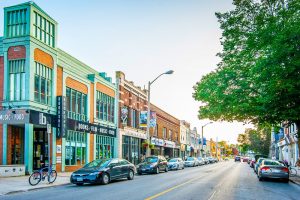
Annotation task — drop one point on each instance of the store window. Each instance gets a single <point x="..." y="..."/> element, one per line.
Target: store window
<point x="17" y="80"/>
<point x="131" y="149"/>
<point x="76" y="104"/>
<point x="42" y="84"/>
<point x="17" y="145"/>
<point x="105" y="107"/>
<point x="75" y="148"/>
<point x="104" y="147"/>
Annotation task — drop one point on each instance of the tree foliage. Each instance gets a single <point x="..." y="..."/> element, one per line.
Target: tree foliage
<point x="257" y="140"/>
<point x="258" y="78"/>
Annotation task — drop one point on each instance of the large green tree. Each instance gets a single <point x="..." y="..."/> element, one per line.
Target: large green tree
<point x="258" y="78"/>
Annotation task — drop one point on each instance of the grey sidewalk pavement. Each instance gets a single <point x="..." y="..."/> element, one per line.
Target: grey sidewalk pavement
<point x="20" y="184"/>
<point x="296" y="179"/>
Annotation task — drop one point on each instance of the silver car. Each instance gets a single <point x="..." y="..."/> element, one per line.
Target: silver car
<point x="272" y="169"/>
<point x="201" y="161"/>
<point x="191" y="162"/>
<point x="175" y="163"/>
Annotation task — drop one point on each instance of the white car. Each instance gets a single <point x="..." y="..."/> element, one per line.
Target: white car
<point x="191" y="162"/>
<point x="175" y="163"/>
<point x="201" y="161"/>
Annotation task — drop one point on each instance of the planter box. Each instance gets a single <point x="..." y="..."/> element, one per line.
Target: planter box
<point x="12" y="170"/>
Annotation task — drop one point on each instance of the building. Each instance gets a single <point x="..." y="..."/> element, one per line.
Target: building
<point x="195" y="143"/>
<point x="166" y="135"/>
<point x="132" y="100"/>
<point x="45" y="90"/>
<point x="184" y="138"/>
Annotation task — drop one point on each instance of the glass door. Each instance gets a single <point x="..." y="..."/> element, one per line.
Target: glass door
<point x="40" y="148"/>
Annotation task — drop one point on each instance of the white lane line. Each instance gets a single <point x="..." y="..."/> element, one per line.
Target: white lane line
<point x="212" y="196"/>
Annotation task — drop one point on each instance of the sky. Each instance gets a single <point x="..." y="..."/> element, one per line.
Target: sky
<point x="144" y="38"/>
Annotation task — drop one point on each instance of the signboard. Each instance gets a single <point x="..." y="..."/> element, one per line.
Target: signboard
<point x="163" y="143"/>
<point x="91" y="128"/>
<point x="49" y="128"/>
<point x="58" y="148"/>
<point x="61" y="116"/>
<point x="124" y="115"/>
<point x="152" y="119"/>
<point x="41" y="118"/>
<point x="143" y="119"/>
<point x="58" y="159"/>
<point x="132" y="133"/>
<point x="14" y="116"/>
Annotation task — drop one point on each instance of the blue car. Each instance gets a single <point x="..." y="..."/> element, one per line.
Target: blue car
<point x="257" y="164"/>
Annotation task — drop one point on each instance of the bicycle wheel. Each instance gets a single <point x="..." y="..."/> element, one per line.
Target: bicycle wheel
<point x="293" y="172"/>
<point x="52" y="176"/>
<point x="35" y="178"/>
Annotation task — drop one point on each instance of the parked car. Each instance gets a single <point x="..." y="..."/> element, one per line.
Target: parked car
<point x="191" y="162"/>
<point x="257" y="164"/>
<point x="273" y="169"/>
<point x="245" y="159"/>
<point x="237" y="159"/>
<point x="206" y="160"/>
<point x="210" y="160"/>
<point x="103" y="171"/>
<point x="175" y="163"/>
<point x="201" y="161"/>
<point x="153" y="164"/>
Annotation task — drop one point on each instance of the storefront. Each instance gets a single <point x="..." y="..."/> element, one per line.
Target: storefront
<point x="164" y="147"/>
<point x="131" y="144"/>
<point x="25" y="138"/>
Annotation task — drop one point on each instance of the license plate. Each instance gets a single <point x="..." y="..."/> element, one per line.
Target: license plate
<point x="80" y="179"/>
<point x="276" y="171"/>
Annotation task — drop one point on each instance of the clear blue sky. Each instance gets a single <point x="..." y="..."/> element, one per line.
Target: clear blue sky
<point x="144" y="38"/>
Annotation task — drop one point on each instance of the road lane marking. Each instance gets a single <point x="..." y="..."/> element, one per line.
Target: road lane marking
<point x="212" y="196"/>
<point x="170" y="189"/>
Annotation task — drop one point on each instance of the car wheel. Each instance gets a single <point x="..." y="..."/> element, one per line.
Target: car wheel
<point x="166" y="169"/>
<point x="260" y="178"/>
<point x="139" y="173"/>
<point x="286" y="180"/>
<point x="79" y="184"/>
<point x="130" y="175"/>
<point x="157" y="170"/>
<point x="105" y="179"/>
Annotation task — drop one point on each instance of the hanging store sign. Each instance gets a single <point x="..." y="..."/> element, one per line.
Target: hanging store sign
<point x="91" y="128"/>
<point x="61" y="116"/>
<point x="152" y="119"/>
<point x="124" y="115"/>
<point x="143" y="119"/>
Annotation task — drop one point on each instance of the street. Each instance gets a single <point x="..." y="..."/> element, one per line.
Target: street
<point x="223" y="180"/>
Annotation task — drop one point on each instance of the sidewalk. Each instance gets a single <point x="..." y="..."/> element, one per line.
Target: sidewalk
<point x="296" y="179"/>
<point x="10" y="185"/>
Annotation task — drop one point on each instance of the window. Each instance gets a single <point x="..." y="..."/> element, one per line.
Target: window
<point x="76" y="103"/>
<point x="105" y="106"/>
<point x="75" y="148"/>
<point x="17" y="80"/>
<point x="42" y="84"/>
<point x="170" y="134"/>
<point x="16" y="23"/>
<point x="104" y="147"/>
<point x="44" y="30"/>
<point x="156" y="130"/>
<point x="164" y="132"/>
<point x="134" y="118"/>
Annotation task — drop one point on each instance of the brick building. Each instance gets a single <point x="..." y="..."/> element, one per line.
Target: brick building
<point x="44" y="86"/>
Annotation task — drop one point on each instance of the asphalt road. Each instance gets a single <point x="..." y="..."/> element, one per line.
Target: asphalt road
<point x="224" y="180"/>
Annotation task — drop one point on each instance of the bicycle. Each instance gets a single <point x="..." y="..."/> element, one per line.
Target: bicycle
<point x="293" y="171"/>
<point x="41" y="174"/>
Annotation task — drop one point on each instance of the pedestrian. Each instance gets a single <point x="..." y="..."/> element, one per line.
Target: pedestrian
<point x="273" y="157"/>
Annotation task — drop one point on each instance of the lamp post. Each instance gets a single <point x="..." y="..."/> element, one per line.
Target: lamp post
<point x="202" y="137"/>
<point x="148" y="111"/>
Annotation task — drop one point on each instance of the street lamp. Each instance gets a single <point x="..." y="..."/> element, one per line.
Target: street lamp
<point x="148" y="112"/>
<point x="202" y="137"/>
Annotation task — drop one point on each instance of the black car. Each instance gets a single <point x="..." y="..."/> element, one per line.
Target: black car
<point x="153" y="164"/>
<point x="103" y="171"/>
<point x="237" y="158"/>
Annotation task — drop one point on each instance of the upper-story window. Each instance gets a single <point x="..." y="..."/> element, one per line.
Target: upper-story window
<point x="42" y="84"/>
<point x="164" y="132"/>
<point x="16" y="23"/>
<point x="105" y="107"/>
<point x="170" y="134"/>
<point x="44" y="30"/>
<point x="17" y="80"/>
<point x="76" y="103"/>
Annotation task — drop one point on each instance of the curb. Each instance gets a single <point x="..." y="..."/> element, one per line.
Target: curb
<point x="295" y="182"/>
<point x="32" y="189"/>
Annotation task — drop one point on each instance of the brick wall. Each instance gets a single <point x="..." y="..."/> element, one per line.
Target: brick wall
<point x="43" y="58"/>
<point x="16" y="52"/>
<point x="76" y="85"/>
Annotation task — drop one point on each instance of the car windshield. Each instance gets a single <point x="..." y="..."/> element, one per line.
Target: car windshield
<point x="271" y="162"/>
<point x="190" y="159"/>
<point x="173" y="160"/>
<point x="97" y="163"/>
<point x="151" y="159"/>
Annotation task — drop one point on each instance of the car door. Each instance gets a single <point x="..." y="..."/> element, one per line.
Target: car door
<point x="115" y="169"/>
<point x="124" y="165"/>
<point x="164" y="163"/>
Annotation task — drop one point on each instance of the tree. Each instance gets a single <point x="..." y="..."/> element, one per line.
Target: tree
<point x="258" y="78"/>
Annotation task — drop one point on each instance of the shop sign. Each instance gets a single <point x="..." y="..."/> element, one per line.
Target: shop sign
<point x="14" y="116"/>
<point x="92" y="128"/>
<point x="157" y="142"/>
<point x="58" y="148"/>
<point x="169" y="144"/>
<point x="41" y="118"/>
<point x="58" y="159"/>
<point x="281" y="143"/>
<point x="61" y="116"/>
<point x="133" y="133"/>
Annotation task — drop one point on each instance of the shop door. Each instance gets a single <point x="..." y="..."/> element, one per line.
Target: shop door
<point x="40" y="148"/>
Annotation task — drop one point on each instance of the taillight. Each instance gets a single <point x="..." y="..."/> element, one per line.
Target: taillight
<point x="285" y="169"/>
<point x="265" y="168"/>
